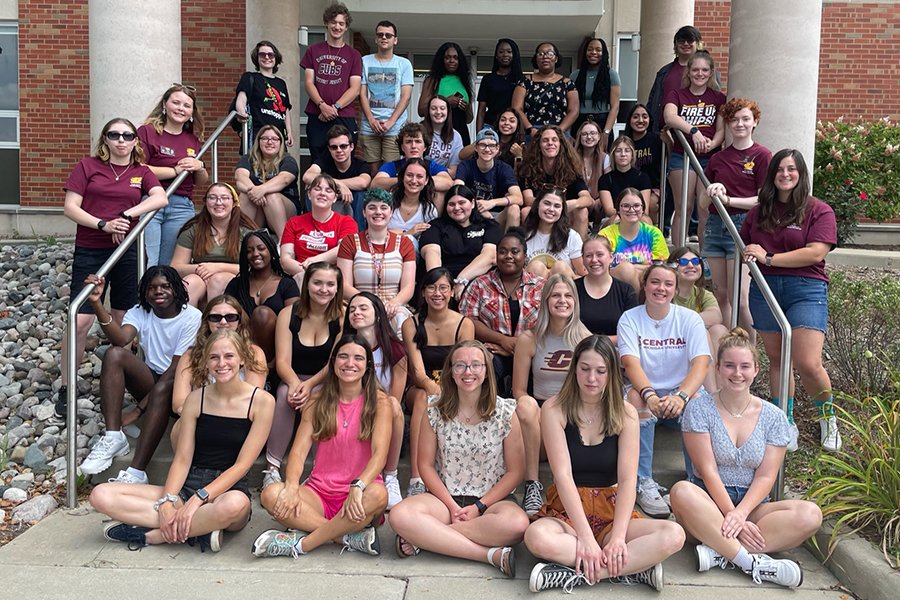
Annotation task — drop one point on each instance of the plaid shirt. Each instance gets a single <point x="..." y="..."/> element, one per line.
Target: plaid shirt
<point x="485" y="300"/>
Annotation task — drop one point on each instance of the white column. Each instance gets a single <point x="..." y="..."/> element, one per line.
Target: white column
<point x="774" y="60"/>
<point x="660" y="19"/>
<point x="279" y="23"/>
<point x="135" y="54"/>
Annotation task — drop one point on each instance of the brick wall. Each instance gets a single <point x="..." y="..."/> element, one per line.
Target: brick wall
<point x="53" y="84"/>
<point x="213" y="58"/>
<point x="859" y="70"/>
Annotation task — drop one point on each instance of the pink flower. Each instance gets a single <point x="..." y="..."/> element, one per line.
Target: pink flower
<point x="829" y="167"/>
<point x="863" y="196"/>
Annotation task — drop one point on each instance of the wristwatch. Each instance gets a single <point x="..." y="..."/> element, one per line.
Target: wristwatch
<point x="683" y="395"/>
<point x="101" y="224"/>
<point x="203" y="495"/>
<point x="358" y="483"/>
<point x="128" y="218"/>
<point x="607" y="131"/>
<point x="769" y="257"/>
<point x="337" y="106"/>
<point x="481" y="506"/>
<point x="694" y="130"/>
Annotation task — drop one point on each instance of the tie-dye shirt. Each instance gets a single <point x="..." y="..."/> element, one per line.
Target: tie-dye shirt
<point x="648" y="245"/>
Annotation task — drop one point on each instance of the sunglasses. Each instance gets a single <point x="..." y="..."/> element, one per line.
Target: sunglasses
<point x="683" y="262"/>
<point x="267" y="55"/>
<point x="189" y="88"/>
<point x="381" y="35"/>
<point x="120" y="135"/>
<point x="229" y="318"/>
<point x="338" y="146"/>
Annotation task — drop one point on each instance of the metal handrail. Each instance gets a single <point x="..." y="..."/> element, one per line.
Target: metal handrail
<point x="756" y="274"/>
<point x="136" y="234"/>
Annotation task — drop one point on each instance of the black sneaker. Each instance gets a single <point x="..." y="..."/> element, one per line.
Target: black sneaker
<point x="208" y="541"/>
<point x="59" y="408"/>
<point x="533" y="500"/>
<point x="135" y="537"/>
<point x="546" y="576"/>
<point x="652" y="577"/>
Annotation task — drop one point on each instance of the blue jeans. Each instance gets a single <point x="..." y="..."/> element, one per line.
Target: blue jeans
<point x="648" y="435"/>
<point x="162" y="231"/>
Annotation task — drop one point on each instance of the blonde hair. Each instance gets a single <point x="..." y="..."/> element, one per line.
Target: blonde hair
<point x="241" y="344"/>
<point x="101" y="150"/>
<point x="574" y="330"/>
<point x="737" y="338"/>
<point x="157" y="116"/>
<point x="448" y="403"/>
<point x="266" y="167"/>
<point x="613" y="395"/>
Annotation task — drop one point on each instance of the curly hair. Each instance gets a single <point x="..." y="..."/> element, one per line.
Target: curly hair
<point x="437" y="70"/>
<point x="566" y="169"/>
<point x="197" y="358"/>
<point x="335" y="9"/>
<point x="243" y="276"/>
<point x="202" y="221"/>
<point x="244" y="347"/>
<point x="171" y="275"/>
<point x="730" y="108"/>
<point x="101" y="150"/>
<point x="157" y="116"/>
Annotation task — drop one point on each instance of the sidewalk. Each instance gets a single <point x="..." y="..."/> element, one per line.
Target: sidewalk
<point x="65" y="556"/>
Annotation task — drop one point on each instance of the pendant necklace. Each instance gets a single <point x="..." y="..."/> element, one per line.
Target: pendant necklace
<point x="739" y="415"/>
<point x="118" y="175"/>
<point x="260" y="289"/>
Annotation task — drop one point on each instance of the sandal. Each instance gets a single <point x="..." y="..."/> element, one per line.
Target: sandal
<point x="400" y="542"/>
<point x="507" y="564"/>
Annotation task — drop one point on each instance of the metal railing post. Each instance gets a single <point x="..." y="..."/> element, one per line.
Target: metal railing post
<point x="784" y="382"/>
<point x="245" y="138"/>
<point x="135" y="235"/>
<point x="685" y="218"/>
<point x="215" y="162"/>
<point x="663" y="182"/>
<point x="738" y="266"/>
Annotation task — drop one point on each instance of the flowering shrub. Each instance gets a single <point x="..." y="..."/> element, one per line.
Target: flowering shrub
<point x="857" y="171"/>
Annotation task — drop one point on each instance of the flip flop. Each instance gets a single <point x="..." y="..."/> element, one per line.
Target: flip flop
<point x="399" y="542"/>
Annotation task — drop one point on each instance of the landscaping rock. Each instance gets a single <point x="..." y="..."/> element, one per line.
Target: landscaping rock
<point x="35" y="509"/>
<point x="15" y="495"/>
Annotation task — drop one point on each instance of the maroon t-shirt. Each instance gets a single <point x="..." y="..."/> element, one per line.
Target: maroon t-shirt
<point x="673" y="78"/>
<point x="166" y="149"/>
<point x="699" y="111"/>
<point x="818" y="225"/>
<point x="742" y="172"/>
<point x="333" y="68"/>
<point x="104" y="197"/>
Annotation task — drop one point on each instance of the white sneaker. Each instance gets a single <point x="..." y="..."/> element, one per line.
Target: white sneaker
<point x="707" y="558"/>
<point x="126" y="477"/>
<point x="270" y="476"/>
<point x="103" y="453"/>
<point x="831" y="437"/>
<point x="780" y="571"/>
<point x="794" y="434"/>
<point x="415" y="488"/>
<point x="650" y="501"/>
<point x="393" y="490"/>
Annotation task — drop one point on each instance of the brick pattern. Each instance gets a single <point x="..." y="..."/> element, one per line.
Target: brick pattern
<point x="53" y="86"/>
<point x="213" y="58"/>
<point x="859" y="74"/>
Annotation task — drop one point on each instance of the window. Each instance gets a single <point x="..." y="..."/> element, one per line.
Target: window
<point x="9" y="113"/>
<point x="627" y="67"/>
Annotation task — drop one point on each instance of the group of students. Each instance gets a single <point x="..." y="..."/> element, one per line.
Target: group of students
<point x="511" y="295"/>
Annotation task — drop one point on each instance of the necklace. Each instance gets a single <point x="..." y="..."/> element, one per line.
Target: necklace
<point x="377" y="259"/>
<point x="739" y="415"/>
<point x="260" y="289"/>
<point x="118" y="175"/>
<point x="467" y="419"/>
<point x="590" y="419"/>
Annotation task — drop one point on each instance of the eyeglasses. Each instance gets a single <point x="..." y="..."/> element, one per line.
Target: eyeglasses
<point x="590" y="133"/>
<point x="338" y="146"/>
<point x="120" y="135"/>
<point x="683" y="262"/>
<point x="547" y="54"/>
<point x="631" y="207"/>
<point x="481" y="146"/>
<point x="384" y="35"/>
<point x="229" y="318"/>
<point x="459" y="368"/>
<point x="443" y="288"/>
<point x="270" y="139"/>
<point x="266" y="55"/>
<point x="219" y="199"/>
<point x="189" y="88"/>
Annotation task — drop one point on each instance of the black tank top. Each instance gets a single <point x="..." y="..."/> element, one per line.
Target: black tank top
<point x="433" y="357"/>
<point x="593" y="466"/>
<point x="309" y="360"/>
<point x="218" y="440"/>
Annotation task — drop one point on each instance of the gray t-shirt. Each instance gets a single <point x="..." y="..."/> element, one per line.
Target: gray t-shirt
<point x="737" y="466"/>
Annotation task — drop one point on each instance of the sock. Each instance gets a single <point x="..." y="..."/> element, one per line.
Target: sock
<point x="826" y="407"/>
<point x="774" y="400"/>
<point x="790" y="410"/>
<point x="744" y="560"/>
<point x="413" y="480"/>
<point x="116" y="434"/>
<point x="136" y="473"/>
<point x="390" y="474"/>
<point x="299" y="546"/>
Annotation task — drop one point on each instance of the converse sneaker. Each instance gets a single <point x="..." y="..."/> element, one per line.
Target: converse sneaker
<point x="60" y="412"/>
<point x="126" y="477"/>
<point x="270" y="476"/>
<point x="793" y="441"/>
<point x="365" y="540"/>
<point x="707" y="558"/>
<point x="393" y="490"/>
<point x="533" y="500"/>
<point x="546" y="576"/>
<point x="650" y="501"/>
<point x="780" y="571"/>
<point x="211" y="541"/>
<point x="830" y="436"/>
<point x="135" y="537"/>
<point x="415" y="488"/>
<point x="276" y="542"/>
<point x="102" y="454"/>
<point x="652" y="577"/>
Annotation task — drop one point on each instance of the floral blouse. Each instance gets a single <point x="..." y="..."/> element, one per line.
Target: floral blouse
<point x="470" y="457"/>
<point x="545" y="102"/>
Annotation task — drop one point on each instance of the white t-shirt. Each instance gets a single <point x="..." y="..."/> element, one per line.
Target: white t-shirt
<point x="665" y="348"/>
<point x="538" y="245"/>
<point x="161" y="339"/>
<point x="397" y="223"/>
<point x="383" y="81"/>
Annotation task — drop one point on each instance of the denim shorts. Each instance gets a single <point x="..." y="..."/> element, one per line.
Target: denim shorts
<point x="804" y="301"/>
<point x="676" y="162"/>
<point x="716" y="241"/>
<point x="735" y="492"/>
<point x="200" y="477"/>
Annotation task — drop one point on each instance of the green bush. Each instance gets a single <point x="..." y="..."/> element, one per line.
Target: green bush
<point x="860" y="486"/>
<point x="863" y="333"/>
<point x="857" y="171"/>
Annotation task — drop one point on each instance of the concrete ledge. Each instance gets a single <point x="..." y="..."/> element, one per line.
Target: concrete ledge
<point x="30" y="222"/>
<point x="858" y="565"/>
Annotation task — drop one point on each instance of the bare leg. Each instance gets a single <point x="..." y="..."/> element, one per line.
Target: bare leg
<point x="217" y="284"/>
<point x="196" y="289"/>
<point x="156" y="419"/>
<point x="262" y="328"/>
<point x="772" y="344"/>
<point x="276" y="212"/>
<point x="419" y="400"/>
<point x="529" y="414"/>
<point x="121" y="369"/>
<point x="537" y="267"/>
<point x="806" y="346"/>
<point x="397" y="424"/>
